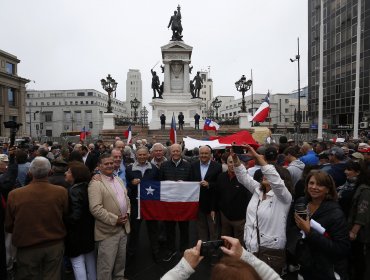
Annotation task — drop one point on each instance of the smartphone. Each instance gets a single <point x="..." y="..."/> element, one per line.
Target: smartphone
<point x="238" y="149"/>
<point x="211" y="248"/>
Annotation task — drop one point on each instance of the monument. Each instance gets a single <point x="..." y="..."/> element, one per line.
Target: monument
<point x="175" y="91"/>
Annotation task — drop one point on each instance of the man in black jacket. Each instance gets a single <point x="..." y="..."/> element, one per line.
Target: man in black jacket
<point x="206" y="171"/>
<point x="176" y="169"/>
<point x="141" y="169"/>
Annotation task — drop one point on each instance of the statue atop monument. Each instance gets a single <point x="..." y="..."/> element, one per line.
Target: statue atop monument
<point x="198" y="84"/>
<point x="175" y="23"/>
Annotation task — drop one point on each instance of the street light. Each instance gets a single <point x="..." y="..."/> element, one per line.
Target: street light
<point x="135" y="104"/>
<point x="109" y="86"/>
<point x="216" y="104"/>
<point x="243" y="86"/>
<point x="298" y="120"/>
<point x="144" y="116"/>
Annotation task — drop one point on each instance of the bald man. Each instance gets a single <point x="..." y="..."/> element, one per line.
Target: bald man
<point x="176" y="169"/>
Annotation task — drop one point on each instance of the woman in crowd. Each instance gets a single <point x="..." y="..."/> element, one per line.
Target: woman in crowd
<point x="359" y="222"/>
<point x="231" y="200"/>
<point x="354" y="177"/>
<point x="321" y="237"/>
<point x="79" y="245"/>
<point x="266" y="217"/>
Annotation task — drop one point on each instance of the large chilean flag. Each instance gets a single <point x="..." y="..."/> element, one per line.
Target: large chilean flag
<point x="263" y="111"/>
<point x="168" y="200"/>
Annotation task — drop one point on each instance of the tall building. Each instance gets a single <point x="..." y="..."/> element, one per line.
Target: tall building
<point x="12" y="91"/>
<point x="339" y="59"/>
<point x="133" y="89"/>
<point x="53" y="112"/>
<point x="206" y="93"/>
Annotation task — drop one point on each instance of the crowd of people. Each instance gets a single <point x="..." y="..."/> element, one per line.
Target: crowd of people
<point x="283" y="211"/>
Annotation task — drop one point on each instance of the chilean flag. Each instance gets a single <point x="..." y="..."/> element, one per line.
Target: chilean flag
<point x="173" y="137"/>
<point x="263" y="111"/>
<point x="168" y="200"/>
<point x="83" y="134"/>
<point x="128" y="134"/>
<point x="210" y="125"/>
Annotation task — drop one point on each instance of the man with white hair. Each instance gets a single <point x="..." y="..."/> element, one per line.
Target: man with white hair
<point x="157" y="153"/>
<point x="35" y="218"/>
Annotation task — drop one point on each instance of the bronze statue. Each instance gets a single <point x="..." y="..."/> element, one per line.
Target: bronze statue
<point x="198" y="84"/>
<point x="190" y="69"/>
<point x="192" y="89"/>
<point x="162" y="68"/>
<point x="176" y="27"/>
<point x="155" y="84"/>
<point x="161" y="90"/>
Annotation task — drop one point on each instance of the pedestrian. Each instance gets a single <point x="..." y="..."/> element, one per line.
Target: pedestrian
<point x="181" y="121"/>
<point x="163" y="121"/>
<point x="110" y="206"/>
<point x="196" y="120"/>
<point x="79" y="222"/>
<point x="35" y="218"/>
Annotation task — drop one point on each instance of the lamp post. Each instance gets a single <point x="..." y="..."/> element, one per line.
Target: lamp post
<point x="298" y="120"/>
<point x="134" y="105"/>
<point x="109" y="86"/>
<point x="144" y="116"/>
<point x="34" y="117"/>
<point x="243" y="86"/>
<point x="216" y="104"/>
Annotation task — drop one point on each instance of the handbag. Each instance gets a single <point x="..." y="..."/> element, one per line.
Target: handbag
<point x="275" y="258"/>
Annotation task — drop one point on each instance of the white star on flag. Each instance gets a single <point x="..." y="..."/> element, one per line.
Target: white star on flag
<point x="150" y="190"/>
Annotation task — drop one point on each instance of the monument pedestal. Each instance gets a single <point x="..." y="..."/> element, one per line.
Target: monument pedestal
<point x="108" y="121"/>
<point x="244" y="123"/>
<point x="176" y="89"/>
<point x="173" y="106"/>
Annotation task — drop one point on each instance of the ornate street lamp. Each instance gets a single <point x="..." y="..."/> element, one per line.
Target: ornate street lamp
<point x="109" y="86"/>
<point x="134" y="105"/>
<point x="243" y="86"/>
<point x="144" y="116"/>
<point x="216" y="104"/>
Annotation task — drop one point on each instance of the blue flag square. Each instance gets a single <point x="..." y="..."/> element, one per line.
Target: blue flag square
<point x="150" y="190"/>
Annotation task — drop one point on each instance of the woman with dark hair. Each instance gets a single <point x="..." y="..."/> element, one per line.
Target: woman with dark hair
<point x="79" y="242"/>
<point x="75" y="156"/>
<point x="355" y="177"/>
<point x="320" y="237"/>
<point x="359" y="221"/>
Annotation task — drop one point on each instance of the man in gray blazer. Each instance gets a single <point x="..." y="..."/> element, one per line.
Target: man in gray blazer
<point x="110" y="206"/>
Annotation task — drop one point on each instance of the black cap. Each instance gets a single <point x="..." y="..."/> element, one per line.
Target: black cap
<point x="271" y="153"/>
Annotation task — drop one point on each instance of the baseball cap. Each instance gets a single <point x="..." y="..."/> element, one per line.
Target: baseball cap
<point x="357" y="155"/>
<point x="337" y="152"/>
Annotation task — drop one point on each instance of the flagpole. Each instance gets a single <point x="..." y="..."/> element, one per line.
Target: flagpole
<point x="252" y="94"/>
<point x="138" y="202"/>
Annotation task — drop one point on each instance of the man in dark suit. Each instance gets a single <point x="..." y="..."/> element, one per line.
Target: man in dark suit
<point x="206" y="171"/>
<point x="89" y="158"/>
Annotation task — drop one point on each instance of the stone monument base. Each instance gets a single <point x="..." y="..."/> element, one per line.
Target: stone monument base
<point x="108" y="122"/>
<point x="244" y="122"/>
<point x="173" y="104"/>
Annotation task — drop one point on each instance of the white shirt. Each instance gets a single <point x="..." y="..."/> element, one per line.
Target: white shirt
<point x="272" y="212"/>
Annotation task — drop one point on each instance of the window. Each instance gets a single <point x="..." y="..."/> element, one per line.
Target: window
<point x="49" y="132"/>
<point x="80" y="94"/>
<point x="81" y="102"/>
<point x="42" y="103"/>
<point x="92" y="102"/>
<point x="48" y="116"/>
<point x="67" y="116"/>
<point x="11" y="96"/>
<point x="286" y="101"/>
<point x="88" y="115"/>
<point x="89" y="93"/>
<point x="78" y="116"/>
<point x="286" y="110"/>
<point x="10" y="68"/>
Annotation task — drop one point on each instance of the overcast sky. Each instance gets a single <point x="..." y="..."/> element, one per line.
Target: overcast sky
<point x="72" y="44"/>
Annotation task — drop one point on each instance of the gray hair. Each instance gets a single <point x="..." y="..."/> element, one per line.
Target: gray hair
<point x="158" y="145"/>
<point x="40" y="167"/>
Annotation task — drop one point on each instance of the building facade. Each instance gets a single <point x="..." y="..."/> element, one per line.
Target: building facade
<point x="133" y="90"/>
<point x="283" y="109"/>
<point x="339" y="62"/>
<point x="12" y="93"/>
<point x="53" y="112"/>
